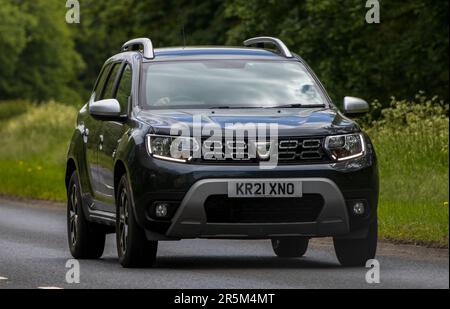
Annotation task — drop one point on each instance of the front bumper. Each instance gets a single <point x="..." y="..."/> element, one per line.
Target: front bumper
<point x="190" y="221"/>
<point x="188" y="186"/>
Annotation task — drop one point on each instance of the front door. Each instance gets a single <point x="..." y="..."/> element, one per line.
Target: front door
<point x="90" y="132"/>
<point x="95" y="139"/>
<point x="111" y="134"/>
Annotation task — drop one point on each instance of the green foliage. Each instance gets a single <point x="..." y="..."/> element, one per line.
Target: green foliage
<point x="39" y="61"/>
<point x="106" y="25"/>
<point x="11" y="109"/>
<point x="13" y="36"/>
<point x="34" y="145"/>
<point x="405" y="53"/>
<point x="42" y="57"/>
<point x="411" y="139"/>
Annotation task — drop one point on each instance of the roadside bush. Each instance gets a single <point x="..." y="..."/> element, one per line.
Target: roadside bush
<point x="34" y="146"/>
<point x="9" y="109"/>
<point x="416" y="129"/>
<point x="40" y="130"/>
<point x="406" y="112"/>
<point x="412" y="139"/>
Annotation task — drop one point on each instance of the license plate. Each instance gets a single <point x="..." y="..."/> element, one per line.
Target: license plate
<point x="264" y="189"/>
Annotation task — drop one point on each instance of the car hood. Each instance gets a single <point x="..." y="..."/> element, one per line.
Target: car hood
<point x="290" y="122"/>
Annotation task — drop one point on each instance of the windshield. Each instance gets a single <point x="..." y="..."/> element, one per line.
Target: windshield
<point x="228" y="84"/>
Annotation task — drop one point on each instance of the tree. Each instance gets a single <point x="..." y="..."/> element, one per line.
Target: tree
<point x="405" y="53"/>
<point x="13" y="38"/>
<point x="41" y="61"/>
<point x="106" y="25"/>
<point x="43" y="57"/>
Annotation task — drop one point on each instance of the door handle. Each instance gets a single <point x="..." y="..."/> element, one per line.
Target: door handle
<point x="100" y="144"/>
<point x="85" y="135"/>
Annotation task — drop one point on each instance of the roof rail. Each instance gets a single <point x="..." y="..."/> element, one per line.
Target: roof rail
<point x="136" y="44"/>
<point x="282" y="48"/>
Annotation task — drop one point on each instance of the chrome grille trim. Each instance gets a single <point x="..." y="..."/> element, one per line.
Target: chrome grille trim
<point x="212" y="144"/>
<point x="290" y="150"/>
<point x="237" y="145"/>
<point x="311" y="143"/>
<point x="288" y="144"/>
<point x="310" y="155"/>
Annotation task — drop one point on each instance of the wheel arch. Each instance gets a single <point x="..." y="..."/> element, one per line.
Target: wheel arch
<point x="119" y="170"/>
<point x="71" y="167"/>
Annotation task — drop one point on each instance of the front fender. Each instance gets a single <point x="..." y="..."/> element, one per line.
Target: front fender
<point x="76" y="153"/>
<point x="127" y="156"/>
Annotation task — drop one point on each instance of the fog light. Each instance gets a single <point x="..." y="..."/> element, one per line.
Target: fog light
<point x="359" y="208"/>
<point x="161" y="210"/>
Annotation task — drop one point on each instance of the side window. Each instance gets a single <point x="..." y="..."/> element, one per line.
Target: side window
<point x="124" y="89"/>
<point x="108" y="91"/>
<point x="101" y="82"/>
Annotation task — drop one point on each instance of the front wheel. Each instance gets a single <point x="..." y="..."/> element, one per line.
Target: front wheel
<point x="86" y="239"/>
<point x="290" y="247"/>
<point x="133" y="248"/>
<point x="356" y="252"/>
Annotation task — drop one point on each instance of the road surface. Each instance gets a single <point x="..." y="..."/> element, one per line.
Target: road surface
<point x="34" y="252"/>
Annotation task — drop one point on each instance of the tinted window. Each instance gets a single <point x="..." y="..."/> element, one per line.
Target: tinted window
<point x="228" y="83"/>
<point x="101" y="81"/>
<point x="124" y="89"/>
<point x="108" y="92"/>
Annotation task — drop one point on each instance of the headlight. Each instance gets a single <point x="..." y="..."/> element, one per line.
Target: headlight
<point x="345" y="147"/>
<point x="171" y="148"/>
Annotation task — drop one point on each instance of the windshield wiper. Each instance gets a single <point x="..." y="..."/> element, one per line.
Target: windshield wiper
<point x="298" y="105"/>
<point x="232" y="107"/>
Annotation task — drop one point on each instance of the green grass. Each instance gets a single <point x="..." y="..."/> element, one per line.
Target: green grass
<point x="34" y="145"/>
<point x="9" y="109"/>
<point x="413" y="161"/>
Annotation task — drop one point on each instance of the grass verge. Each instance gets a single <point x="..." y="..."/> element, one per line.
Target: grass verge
<point x="413" y="205"/>
<point x="34" y="145"/>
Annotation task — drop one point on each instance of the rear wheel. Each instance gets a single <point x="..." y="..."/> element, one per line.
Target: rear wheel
<point x="290" y="247"/>
<point x="86" y="239"/>
<point x="133" y="248"/>
<point x="356" y="252"/>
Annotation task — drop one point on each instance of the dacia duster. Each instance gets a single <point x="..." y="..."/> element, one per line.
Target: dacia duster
<point x="218" y="143"/>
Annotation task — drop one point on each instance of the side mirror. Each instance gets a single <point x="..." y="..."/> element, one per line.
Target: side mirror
<point x="355" y="106"/>
<point x="109" y="108"/>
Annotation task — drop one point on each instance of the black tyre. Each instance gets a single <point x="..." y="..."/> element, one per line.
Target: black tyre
<point x="133" y="248"/>
<point x="290" y="247"/>
<point x="356" y="252"/>
<point x="86" y="239"/>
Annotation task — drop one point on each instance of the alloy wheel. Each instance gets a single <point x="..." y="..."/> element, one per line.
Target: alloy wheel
<point x="73" y="215"/>
<point x="123" y="220"/>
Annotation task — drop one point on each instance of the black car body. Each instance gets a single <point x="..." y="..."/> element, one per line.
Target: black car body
<point x="172" y="200"/>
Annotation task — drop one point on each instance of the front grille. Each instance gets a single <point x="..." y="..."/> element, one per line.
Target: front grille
<point x="290" y="150"/>
<point x="222" y="209"/>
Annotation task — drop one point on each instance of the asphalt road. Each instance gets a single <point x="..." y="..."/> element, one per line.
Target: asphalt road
<point x="34" y="252"/>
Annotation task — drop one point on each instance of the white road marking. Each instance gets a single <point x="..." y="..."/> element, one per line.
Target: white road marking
<point x="3" y="278"/>
<point x="49" y="288"/>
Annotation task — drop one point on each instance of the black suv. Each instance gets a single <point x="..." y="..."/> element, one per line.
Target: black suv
<point x="218" y="143"/>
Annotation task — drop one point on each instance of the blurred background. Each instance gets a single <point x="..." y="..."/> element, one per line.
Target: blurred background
<point x="48" y="68"/>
